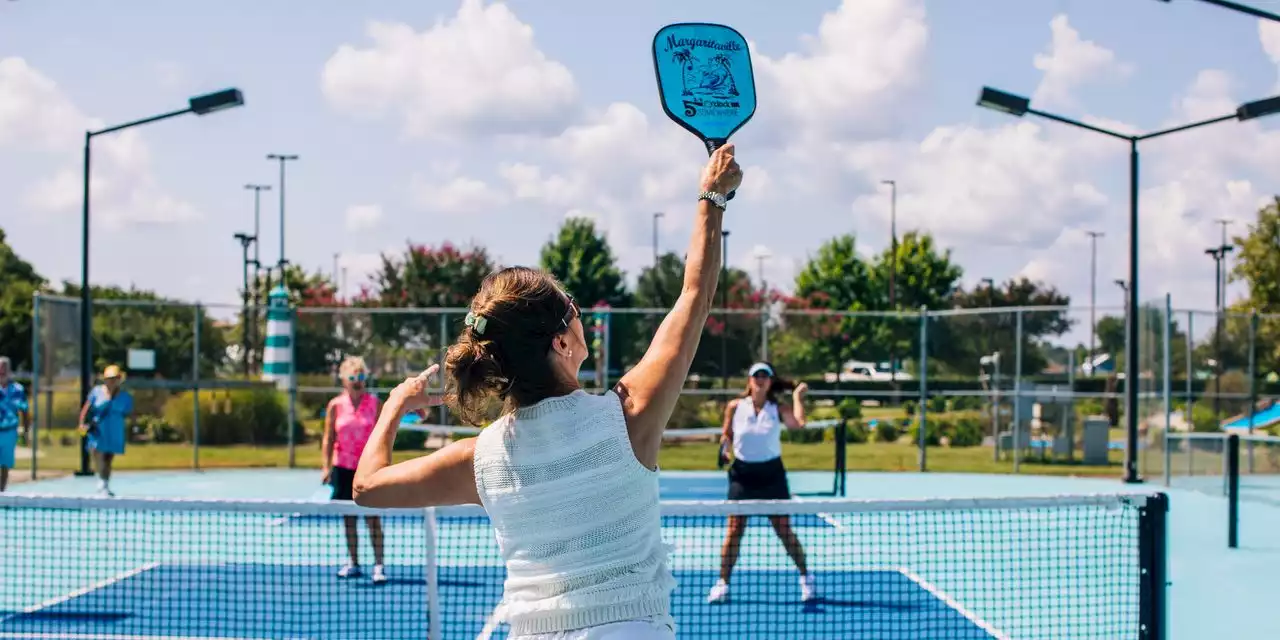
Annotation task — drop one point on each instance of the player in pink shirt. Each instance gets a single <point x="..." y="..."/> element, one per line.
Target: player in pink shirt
<point x="349" y="419"/>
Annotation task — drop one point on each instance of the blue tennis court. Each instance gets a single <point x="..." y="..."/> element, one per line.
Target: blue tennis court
<point x="197" y="572"/>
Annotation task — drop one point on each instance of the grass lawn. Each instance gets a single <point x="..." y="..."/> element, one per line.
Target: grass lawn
<point x="875" y="456"/>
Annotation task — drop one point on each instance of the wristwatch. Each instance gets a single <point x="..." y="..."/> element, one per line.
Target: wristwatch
<point x="717" y="199"/>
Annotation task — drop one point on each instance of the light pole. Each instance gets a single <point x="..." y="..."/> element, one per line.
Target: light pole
<point x="1219" y="255"/>
<point x="724" y="306"/>
<point x="283" y="158"/>
<point x="893" y="273"/>
<point x="1093" y="293"/>
<point x="656" y="215"/>
<point x="257" y="264"/>
<point x="245" y="241"/>
<point x="199" y="105"/>
<point x="1235" y="6"/>
<point x="762" y="255"/>
<point x="1020" y="106"/>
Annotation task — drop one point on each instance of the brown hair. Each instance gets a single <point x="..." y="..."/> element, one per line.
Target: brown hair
<point x="518" y="312"/>
<point x="780" y="385"/>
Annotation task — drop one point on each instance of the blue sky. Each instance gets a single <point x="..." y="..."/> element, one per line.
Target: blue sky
<point x="422" y="128"/>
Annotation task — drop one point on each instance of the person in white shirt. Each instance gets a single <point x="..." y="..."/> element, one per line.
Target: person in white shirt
<point x="569" y="480"/>
<point x="753" y="431"/>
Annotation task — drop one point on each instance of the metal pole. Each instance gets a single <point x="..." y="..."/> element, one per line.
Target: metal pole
<point x="1069" y="416"/>
<point x="195" y="393"/>
<point x="764" y="310"/>
<point x="86" y="311"/>
<point x="1253" y="379"/>
<point x="1132" y="367"/>
<point x="293" y="380"/>
<point x="893" y="278"/>
<point x="1233" y="491"/>
<point x="656" y="215"/>
<point x="1017" y="391"/>
<point x="724" y="306"/>
<point x="444" y="346"/>
<point x="1167" y="372"/>
<point x="1191" y="399"/>
<point x="34" y="431"/>
<point x="924" y="384"/>
<point x="995" y="403"/>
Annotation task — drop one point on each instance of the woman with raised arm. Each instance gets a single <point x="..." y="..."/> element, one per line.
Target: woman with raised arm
<point x="753" y="431"/>
<point x="569" y="480"/>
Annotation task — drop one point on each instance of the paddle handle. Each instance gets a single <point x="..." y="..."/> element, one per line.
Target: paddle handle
<point x="712" y="145"/>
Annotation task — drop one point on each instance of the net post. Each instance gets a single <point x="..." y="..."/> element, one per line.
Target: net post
<point x="1167" y="385"/>
<point x="1253" y="379"/>
<point x="1152" y="557"/>
<point x="1233" y="491"/>
<point x="435" y="628"/>
<point x="842" y="445"/>
<point x="924" y="386"/>
<point x="195" y="391"/>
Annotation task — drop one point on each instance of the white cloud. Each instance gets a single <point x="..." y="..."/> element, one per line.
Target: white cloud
<point x="479" y="72"/>
<point x="36" y="116"/>
<point x="363" y="216"/>
<point x="1269" y="35"/>
<point x="1070" y="62"/>
<point x="458" y="194"/>
<point x="852" y="76"/>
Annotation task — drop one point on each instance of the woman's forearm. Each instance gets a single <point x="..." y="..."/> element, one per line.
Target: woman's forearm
<point x="377" y="452"/>
<point x="797" y="411"/>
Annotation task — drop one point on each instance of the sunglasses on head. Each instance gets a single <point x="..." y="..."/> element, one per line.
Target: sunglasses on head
<point x="572" y="312"/>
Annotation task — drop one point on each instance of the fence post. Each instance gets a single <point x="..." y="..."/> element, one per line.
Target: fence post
<point x="924" y="385"/>
<point x="195" y="391"/>
<point x="604" y="365"/>
<point x="1253" y="378"/>
<point x="34" y="406"/>
<point x="293" y="383"/>
<point x="1017" y="394"/>
<point x="1233" y="490"/>
<point x="444" y="347"/>
<point x="1167" y="371"/>
<point x="1191" y="398"/>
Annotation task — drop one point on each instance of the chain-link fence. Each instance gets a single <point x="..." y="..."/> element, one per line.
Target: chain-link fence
<point x="986" y="389"/>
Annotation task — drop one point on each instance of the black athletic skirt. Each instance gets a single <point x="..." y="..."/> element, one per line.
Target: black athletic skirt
<point x="342" y="480"/>
<point x="766" y="480"/>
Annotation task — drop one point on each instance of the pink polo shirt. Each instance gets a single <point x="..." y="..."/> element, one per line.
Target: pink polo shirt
<point x="354" y="425"/>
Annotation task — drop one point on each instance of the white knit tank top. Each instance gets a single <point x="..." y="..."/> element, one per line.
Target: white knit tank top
<point x="575" y="514"/>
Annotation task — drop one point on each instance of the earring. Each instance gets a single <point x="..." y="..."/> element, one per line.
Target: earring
<point x="570" y="354"/>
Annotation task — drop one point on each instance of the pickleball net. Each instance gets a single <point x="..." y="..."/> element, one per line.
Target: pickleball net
<point x="1049" y="567"/>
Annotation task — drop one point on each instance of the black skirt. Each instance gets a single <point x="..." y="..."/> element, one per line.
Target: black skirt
<point x="342" y="480"/>
<point x="765" y="480"/>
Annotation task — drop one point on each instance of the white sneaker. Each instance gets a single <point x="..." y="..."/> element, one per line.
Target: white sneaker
<point x="719" y="593"/>
<point x="807" y="591"/>
<point x="349" y="571"/>
<point x="379" y="576"/>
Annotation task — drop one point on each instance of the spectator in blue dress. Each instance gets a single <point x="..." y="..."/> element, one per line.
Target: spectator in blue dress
<point x="102" y="420"/>
<point x="13" y="414"/>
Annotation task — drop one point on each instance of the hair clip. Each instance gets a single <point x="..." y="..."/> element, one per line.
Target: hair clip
<point x="476" y="322"/>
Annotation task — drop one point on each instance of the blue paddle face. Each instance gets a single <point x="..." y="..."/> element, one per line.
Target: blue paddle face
<point x="705" y="79"/>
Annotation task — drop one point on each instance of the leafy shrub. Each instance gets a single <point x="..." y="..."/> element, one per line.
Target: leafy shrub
<point x="934" y="428"/>
<point x="1203" y="420"/>
<point x="967" y="403"/>
<point x="155" y="429"/>
<point x="887" y="431"/>
<point x="849" y="409"/>
<point x="966" y="431"/>
<point x="694" y="412"/>
<point x="909" y="407"/>
<point x="410" y="441"/>
<point x="256" y="417"/>
<point x="937" y="404"/>
<point x="804" y="436"/>
<point x="855" y="432"/>
<point x="1089" y="407"/>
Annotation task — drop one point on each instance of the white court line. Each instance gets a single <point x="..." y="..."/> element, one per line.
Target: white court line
<point x="109" y="636"/>
<point x="950" y="602"/>
<point x="102" y="584"/>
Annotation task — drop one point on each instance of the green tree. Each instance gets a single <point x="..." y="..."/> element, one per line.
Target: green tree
<point x="131" y="318"/>
<point x="582" y="260"/>
<point x="1258" y="266"/>
<point x="420" y="277"/>
<point x="923" y="276"/>
<point x="957" y="342"/>
<point x="319" y="342"/>
<point x="1110" y="335"/>
<point x="838" y="279"/>
<point x="19" y="283"/>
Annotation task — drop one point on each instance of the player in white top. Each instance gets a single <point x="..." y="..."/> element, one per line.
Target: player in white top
<point x="569" y="480"/>
<point x="753" y="430"/>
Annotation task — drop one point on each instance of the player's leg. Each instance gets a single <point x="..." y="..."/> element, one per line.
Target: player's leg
<point x="728" y="557"/>
<point x="791" y="542"/>
<point x="375" y="538"/>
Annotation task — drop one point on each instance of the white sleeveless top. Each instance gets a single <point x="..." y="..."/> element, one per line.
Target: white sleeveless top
<point x="575" y="514"/>
<point x="756" y="437"/>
